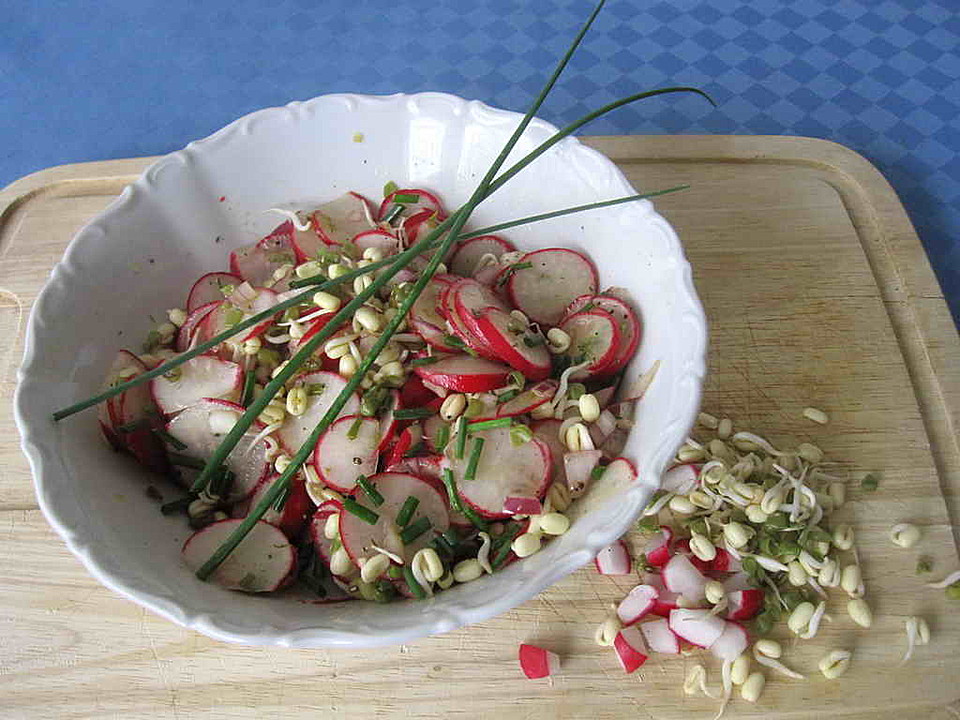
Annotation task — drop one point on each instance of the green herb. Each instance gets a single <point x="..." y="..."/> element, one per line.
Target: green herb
<point x="232" y="316"/>
<point x="177" y="506"/>
<point x="412" y="583"/>
<point x="511" y="269"/>
<point x="777" y="521"/>
<point x="249" y="380"/>
<point x="763" y="624"/>
<point x="393" y="213"/>
<point x="461" y="445"/>
<point x="475" y="450"/>
<point x="443" y="437"/>
<point x="394" y="572"/>
<point x="412" y="532"/>
<point x="370" y="490"/>
<point x="425" y="360"/>
<point x="597" y="473"/>
<point x="517" y="378"/>
<point x="354" y="430"/>
<point x="384" y="591"/>
<point x="406" y="198"/>
<point x="507" y="395"/>
<point x="576" y="390"/>
<point x="373" y="399"/>
<point x="406" y="511"/>
<point x="503" y="551"/>
<point x="221" y="484"/>
<point x="870" y="482"/>
<point x="520" y="434"/>
<point x="453" y="341"/>
<point x="533" y="340"/>
<point x="457" y="504"/>
<point x="648" y="524"/>
<point x="413" y="413"/>
<point x="389" y="188"/>
<point x="135" y="425"/>
<point x="489" y="424"/>
<point x="924" y="565"/>
<point x="355" y="508"/>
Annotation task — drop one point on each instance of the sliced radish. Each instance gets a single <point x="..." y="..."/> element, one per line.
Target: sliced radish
<point x="469" y="299"/>
<point x="628" y="324"/>
<point x="614" y="560"/>
<point x="548" y="431"/>
<point x="468" y="253"/>
<point x="359" y="537"/>
<point x="202" y="426"/>
<point x="324" y="389"/>
<point x="426" y="467"/>
<point x="262" y="561"/>
<point x="594" y="339"/>
<point x="522" y="506"/>
<point x="420" y="223"/>
<point x="638" y="603"/>
<point x="557" y="276"/>
<point x="731" y="643"/>
<point x="577" y="304"/>
<point x="340" y="459"/>
<point x="744" y="604"/>
<point x="377" y="238"/>
<point x="315" y="326"/>
<point x="538" y="663"/>
<point x="414" y="393"/>
<point x="323" y="545"/>
<point x="256" y="263"/>
<point x="529" y="400"/>
<point x="680" y="479"/>
<point x="577" y="469"/>
<point x="722" y="564"/>
<point x="697" y="627"/>
<point x="388" y="422"/>
<point x="406" y="440"/>
<point x="426" y="320"/>
<point x="457" y="327"/>
<point x="292" y="516"/>
<point x="426" y="200"/>
<point x="464" y="373"/>
<point x="631" y="649"/>
<point x="210" y="288"/>
<point x="504" y="470"/>
<point x="523" y="350"/>
<point x="194" y="320"/>
<point x="199" y="377"/>
<point x="236" y="309"/>
<point x="340" y="220"/>
<point x="681" y="576"/>
<point x="660" y="637"/>
<point x="738" y="581"/>
<point x="658" y="548"/>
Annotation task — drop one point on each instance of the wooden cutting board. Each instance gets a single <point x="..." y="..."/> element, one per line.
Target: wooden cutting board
<point x="817" y="293"/>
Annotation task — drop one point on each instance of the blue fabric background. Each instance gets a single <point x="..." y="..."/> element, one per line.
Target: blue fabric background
<point x="98" y="80"/>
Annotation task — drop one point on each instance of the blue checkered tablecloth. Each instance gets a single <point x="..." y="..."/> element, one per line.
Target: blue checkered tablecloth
<point x="92" y="81"/>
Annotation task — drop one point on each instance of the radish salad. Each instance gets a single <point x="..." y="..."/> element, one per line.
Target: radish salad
<point x="486" y="414"/>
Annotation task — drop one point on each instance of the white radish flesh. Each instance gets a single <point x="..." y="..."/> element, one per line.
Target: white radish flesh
<point x="614" y="560"/>
<point x="379" y="239"/>
<point x="682" y="577"/>
<point x="504" y="470"/>
<point x="338" y="221"/>
<point x="468" y="253"/>
<point x="547" y="431"/>
<point x="630" y="648"/>
<point x="697" y="627"/>
<point x="323" y="545"/>
<point x="464" y="373"/>
<point x="680" y="479"/>
<point x="209" y="288"/>
<point x="637" y="604"/>
<point x="557" y="276"/>
<point x="595" y="339"/>
<point x="198" y="378"/>
<point x="658" y="548"/>
<point x="537" y="663"/>
<point x="193" y="322"/>
<point x="660" y="638"/>
<point x="424" y="309"/>
<point x="262" y="561"/>
<point x="628" y="324"/>
<point x="340" y="459"/>
<point x="731" y="644"/>
<point x="577" y="469"/>
<point x="529" y="400"/>
<point x="323" y="389"/>
<point x="256" y="263"/>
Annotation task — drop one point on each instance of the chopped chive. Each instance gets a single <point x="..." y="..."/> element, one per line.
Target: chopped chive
<point x="505" y="275"/>
<point x="168" y="438"/>
<point x="453" y="341"/>
<point x="406" y="198"/>
<point x="221" y="484"/>
<point x="186" y="461"/>
<point x="457" y="503"/>
<point x="870" y="482"/>
<point x="533" y="340"/>
<point x="394" y="572"/>
<point x="504" y="550"/>
<point x="461" y="445"/>
<point x="281" y="499"/>
<point x="412" y="583"/>
<point x="489" y="424"/>
<point x="443" y="437"/>
<point x="425" y="360"/>
<point x="370" y="490"/>
<point x="508" y="395"/>
<point x="520" y="435"/>
<point x="576" y="390"/>
<point x="406" y="511"/>
<point x="354" y="430"/>
<point x="178" y="505"/>
<point x="249" y="380"/>
<point x="355" y="508"/>
<point x="517" y="378"/>
<point x="393" y="213"/>
<point x="413" y="413"/>
<point x="412" y="532"/>
<point x="475" y="450"/>
<point x="389" y="188"/>
<point x="597" y="473"/>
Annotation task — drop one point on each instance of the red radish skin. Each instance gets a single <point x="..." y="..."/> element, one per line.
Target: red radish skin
<point x="388" y="423"/>
<point x="414" y="394"/>
<point x="377" y="238"/>
<point x="637" y="604"/>
<point x="464" y="260"/>
<point x="315" y="326"/>
<point x="493" y="325"/>
<point x="731" y="644"/>
<point x="697" y="627"/>
<point x="557" y="276"/>
<point x="577" y="304"/>
<point x="681" y="576"/>
<point x="666" y="600"/>
<point x="199" y="377"/>
<point x="522" y="506"/>
<point x="744" y="604"/>
<point x="658" y="549"/>
<point x="464" y="373"/>
<point x="466" y="301"/>
<point x="340" y="220"/>
<point x="321" y="544"/>
<point x="630" y="648"/>
<point x="660" y="638"/>
<point x="614" y="560"/>
<point x="548" y="432"/>
<point x="629" y="325"/>
<point x="529" y="400"/>
<point x="594" y="338"/>
<point x="417" y="224"/>
<point x="537" y="663"/>
<point x="340" y="460"/>
<point x="504" y="470"/>
<point x="262" y="562"/>
<point x="457" y="328"/>
<point x="193" y="322"/>
<point x="292" y="518"/>
<point x="426" y="201"/>
<point x="409" y="437"/>
<point x="209" y="288"/>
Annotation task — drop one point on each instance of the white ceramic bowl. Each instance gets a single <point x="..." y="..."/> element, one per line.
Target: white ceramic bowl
<point x="142" y="253"/>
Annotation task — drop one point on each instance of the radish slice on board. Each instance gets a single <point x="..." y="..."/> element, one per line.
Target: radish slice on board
<point x="340" y="220"/>
<point x="744" y="604"/>
<point x="504" y="470"/>
<point x="292" y="517"/>
<point x="631" y="649"/>
<point x="464" y="260"/>
<point x="660" y="637"/>
<point x="614" y="560"/>
<point x="538" y="663"/>
<point x="260" y="563"/>
<point x="577" y="468"/>
<point x="324" y="387"/>
<point x="202" y="426"/>
<point x="731" y="643"/>
<point x="377" y="238"/>
<point x="658" y="548"/>
<point x="680" y="576"/>
<point x="340" y="459"/>
<point x="638" y="602"/>
<point x="359" y="537"/>
<point x="680" y="478"/>
<point x="193" y="322"/>
<point x="557" y="276"/>
<point x="529" y="400"/>
<point x="594" y="339"/>
<point x="523" y="350"/>
<point x="425" y="200"/>
<point x="209" y="288"/>
<point x="697" y="627"/>
<point x="198" y="378"/>
<point x="464" y="373"/>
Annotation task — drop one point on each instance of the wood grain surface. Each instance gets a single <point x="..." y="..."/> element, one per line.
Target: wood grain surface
<point x="817" y="293"/>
